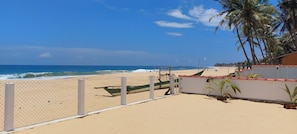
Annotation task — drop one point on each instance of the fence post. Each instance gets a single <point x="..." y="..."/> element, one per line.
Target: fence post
<point x="180" y="85"/>
<point x="123" y="90"/>
<point x="9" y="107"/>
<point x="171" y="84"/>
<point x="152" y="87"/>
<point x="81" y="97"/>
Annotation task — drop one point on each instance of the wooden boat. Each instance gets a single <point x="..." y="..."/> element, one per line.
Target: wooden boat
<point x="115" y="91"/>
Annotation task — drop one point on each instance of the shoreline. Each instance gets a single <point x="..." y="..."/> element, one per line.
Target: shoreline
<point x="98" y="74"/>
<point x="210" y="71"/>
<point x="65" y="74"/>
<point x="38" y="101"/>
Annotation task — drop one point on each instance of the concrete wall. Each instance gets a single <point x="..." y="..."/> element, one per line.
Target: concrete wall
<point x="256" y="89"/>
<point x="272" y="71"/>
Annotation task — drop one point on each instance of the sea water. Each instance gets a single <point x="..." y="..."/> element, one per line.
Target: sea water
<point x="64" y="71"/>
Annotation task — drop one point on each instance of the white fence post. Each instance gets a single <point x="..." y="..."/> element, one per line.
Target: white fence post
<point x="123" y="90"/>
<point x="152" y="87"/>
<point x="81" y="97"/>
<point x="171" y="84"/>
<point x="9" y="107"/>
<point x="180" y="84"/>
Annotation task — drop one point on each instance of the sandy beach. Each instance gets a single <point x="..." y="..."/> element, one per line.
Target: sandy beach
<point x="182" y="113"/>
<point x="37" y="102"/>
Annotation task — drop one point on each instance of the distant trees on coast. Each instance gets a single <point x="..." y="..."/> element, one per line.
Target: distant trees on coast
<point x="235" y="64"/>
<point x="261" y="27"/>
<point x="226" y="64"/>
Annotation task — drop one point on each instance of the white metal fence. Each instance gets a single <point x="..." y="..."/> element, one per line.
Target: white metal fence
<point x="25" y="103"/>
<point x="40" y="101"/>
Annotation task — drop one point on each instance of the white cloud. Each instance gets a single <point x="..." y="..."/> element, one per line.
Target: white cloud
<point x="45" y="55"/>
<point x="196" y="11"/>
<point x="174" y="24"/>
<point x="177" y="13"/>
<point x="203" y="15"/>
<point x="196" y="14"/>
<point x="174" y="34"/>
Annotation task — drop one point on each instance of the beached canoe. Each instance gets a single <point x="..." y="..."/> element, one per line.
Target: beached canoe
<point x="115" y="91"/>
<point x="199" y="73"/>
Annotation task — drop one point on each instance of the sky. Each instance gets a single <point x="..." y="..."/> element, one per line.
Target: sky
<point x="114" y="32"/>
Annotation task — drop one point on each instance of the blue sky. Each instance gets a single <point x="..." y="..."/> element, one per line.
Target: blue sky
<point x="114" y="32"/>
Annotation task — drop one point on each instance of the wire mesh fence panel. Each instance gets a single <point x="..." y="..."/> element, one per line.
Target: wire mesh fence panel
<point x="38" y="101"/>
<point x="102" y="92"/>
<point x="137" y="88"/>
<point x="2" y="94"/>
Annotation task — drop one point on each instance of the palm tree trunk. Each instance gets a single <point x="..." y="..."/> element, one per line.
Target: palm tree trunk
<point x="261" y="49"/>
<point x="294" y="29"/>
<point x="267" y="49"/>
<point x="242" y="46"/>
<point x="252" y="49"/>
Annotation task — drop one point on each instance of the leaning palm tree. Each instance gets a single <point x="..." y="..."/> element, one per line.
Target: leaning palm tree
<point x="286" y="43"/>
<point x="257" y="16"/>
<point x="230" y="21"/>
<point x="289" y="18"/>
<point x="246" y="17"/>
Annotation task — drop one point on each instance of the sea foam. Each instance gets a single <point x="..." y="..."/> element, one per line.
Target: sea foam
<point x="143" y="70"/>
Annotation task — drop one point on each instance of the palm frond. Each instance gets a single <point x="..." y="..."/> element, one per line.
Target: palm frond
<point x="288" y="92"/>
<point x="228" y="95"/>
<point x="235" y="88"/>
<point x="222" y="87"/>
<point x="294" y="92"/>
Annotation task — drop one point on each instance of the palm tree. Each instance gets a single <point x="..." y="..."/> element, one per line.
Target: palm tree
<point x="257" y="18"/>
<point x="230" y="21"/>
<point x="267" y="42"/>
<point x="247" y="17"/>
<point x="286" y="44"/>
<point x="289" y="19"/>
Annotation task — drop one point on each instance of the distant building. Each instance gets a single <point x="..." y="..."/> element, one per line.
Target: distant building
<point x="288" y="59"/>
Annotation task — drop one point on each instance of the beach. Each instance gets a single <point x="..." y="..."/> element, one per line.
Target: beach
<point x="180" y="113"/>
<point x="184" y="113"/>
<point x="38" y="101"/>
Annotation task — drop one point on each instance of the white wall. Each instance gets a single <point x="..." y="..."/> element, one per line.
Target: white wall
<point x="260" y="89"/>
<point x="272" y="71"/>
<point x="193" y="85"/>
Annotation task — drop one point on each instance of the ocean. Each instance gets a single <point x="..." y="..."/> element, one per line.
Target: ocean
<point x="64" y="71"/>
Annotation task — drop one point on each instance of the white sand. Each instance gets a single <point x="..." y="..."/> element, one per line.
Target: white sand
<point x="219" y="71"/>
<point x="189" y="114"/>
<point x="39" y="101"/>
